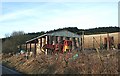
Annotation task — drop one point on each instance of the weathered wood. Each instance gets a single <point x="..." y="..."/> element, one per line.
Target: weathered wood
<point x="54" y="40"/>
<point x="35" y="50"/>
<point x="30" y="46"/>
<point x="100" y="38"/>
<point x="108" y="47"/>
<point x="26" y="46"/>
<point x="46" y="42"/>
<point x="82" y="40"/>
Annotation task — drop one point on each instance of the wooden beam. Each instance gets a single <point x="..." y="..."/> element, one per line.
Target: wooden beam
<point x="82" y="40"/>
<point x="108" y="41"/>
<point x="30" y="46"/>
<point x="93" y="43"/>
<point x="35" y="50"/>
<point x="26" y="47"/>
<point x="40" y="42"/>
<point x="46" y="39"/>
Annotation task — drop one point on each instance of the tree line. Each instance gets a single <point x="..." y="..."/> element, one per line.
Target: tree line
<point x="99" y="30"/>
<point x="11" y="43"/>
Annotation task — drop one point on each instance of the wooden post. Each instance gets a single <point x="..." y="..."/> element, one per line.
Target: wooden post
<point x="118" y="43"/>
<point x="93" y="43"/>
<point x="82" y="40"/>
<point x="101" y="46"/>
<point x="54" y="40"/>
<point x="79" y="42"/>
<point x="108" y="41"/>
<point x="35" y="49"/>
<point x="72" y="42"/>
<point x="43" y="41"/>
<point x="46" y="39"/>
<point x="50" y="40"/>
<point x="30" y="46"/>
<point x="40" y="43"/>
<point x="26" y="47"/>
<point x="59" y="39"/>
<point x="38" y="46"/>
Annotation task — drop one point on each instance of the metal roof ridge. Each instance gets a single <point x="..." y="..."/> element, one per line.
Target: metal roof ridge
<point x="50" y="34"/>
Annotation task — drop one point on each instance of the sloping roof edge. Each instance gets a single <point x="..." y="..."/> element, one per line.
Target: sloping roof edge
<point x="53" y="34"/>
<point x="35" y="38"/>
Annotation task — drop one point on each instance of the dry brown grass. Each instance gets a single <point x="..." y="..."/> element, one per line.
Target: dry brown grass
<point x="85" y="63"/>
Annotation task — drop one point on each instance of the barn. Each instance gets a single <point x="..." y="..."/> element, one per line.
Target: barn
<point x="101" y="41"/>
<point x="52" y="38"/>
<point x="106" y="40"/>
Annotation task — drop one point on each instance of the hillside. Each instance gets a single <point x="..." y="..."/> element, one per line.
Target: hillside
<point x="98" y="30"/>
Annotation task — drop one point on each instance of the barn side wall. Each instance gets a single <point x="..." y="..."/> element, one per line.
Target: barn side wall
<point x="95" y="41"/>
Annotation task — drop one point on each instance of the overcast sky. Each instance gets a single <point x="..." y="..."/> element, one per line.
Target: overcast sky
<point x="45" y="16"/>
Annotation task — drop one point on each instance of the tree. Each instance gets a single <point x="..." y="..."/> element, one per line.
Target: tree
<point x="7" y="35"/>
<point x="16" y="38"/>
<point x="17" y="33"/>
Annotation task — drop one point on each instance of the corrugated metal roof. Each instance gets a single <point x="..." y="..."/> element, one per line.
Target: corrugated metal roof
<point x="63" y="33"/>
